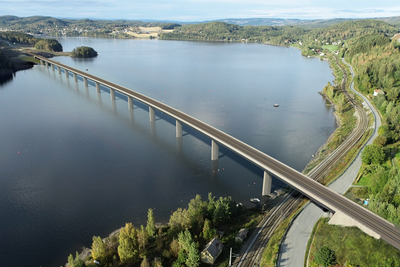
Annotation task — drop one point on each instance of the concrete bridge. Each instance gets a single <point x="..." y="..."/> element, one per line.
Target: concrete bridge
<point x="345" y="211"/>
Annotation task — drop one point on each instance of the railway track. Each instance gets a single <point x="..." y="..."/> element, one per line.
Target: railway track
<point x="252" y="252"/>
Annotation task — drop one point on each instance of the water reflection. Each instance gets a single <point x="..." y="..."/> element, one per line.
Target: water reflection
<point x="5" y="79"/>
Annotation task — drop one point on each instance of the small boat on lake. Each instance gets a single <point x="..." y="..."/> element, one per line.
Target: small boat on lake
<point x="255" y="200"/>
<point x="276" y="105"/>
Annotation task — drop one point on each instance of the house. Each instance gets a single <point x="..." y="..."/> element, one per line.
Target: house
<point x="211" y="252"/>
<point x="377" y="92"/>
<point x="241" y="236"/>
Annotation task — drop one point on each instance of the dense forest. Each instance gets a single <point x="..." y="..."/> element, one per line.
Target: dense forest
<point x="376" y="60"/>
<point x="279" y="35"/>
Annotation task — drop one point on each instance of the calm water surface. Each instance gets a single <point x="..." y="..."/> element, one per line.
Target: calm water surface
<point x="75" y="164"/>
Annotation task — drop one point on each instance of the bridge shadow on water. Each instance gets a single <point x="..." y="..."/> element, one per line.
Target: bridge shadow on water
<point x="128" y="117"/>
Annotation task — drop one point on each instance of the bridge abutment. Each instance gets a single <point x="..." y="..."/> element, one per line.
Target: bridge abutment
<point x="342" y="219"/>
<point x="214" y="150"/>
<point x="152" y="114"/>
<point x="267" y="184"/>
<point x="178" y="129"/>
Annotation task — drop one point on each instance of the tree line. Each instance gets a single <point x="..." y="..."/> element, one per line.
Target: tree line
<point x="38" y="43"/>
<point x="177" y="243"/>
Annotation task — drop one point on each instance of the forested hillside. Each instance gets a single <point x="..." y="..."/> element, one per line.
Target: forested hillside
<point x="39" y="43"/>
<point x="220" y="31"/>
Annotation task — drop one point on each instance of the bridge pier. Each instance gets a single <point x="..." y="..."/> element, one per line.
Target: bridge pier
<point x="214" y="150"/>
<point x="267" y="184"/>
<point x="75" y="77"/>
<point x="85" y="82"/>
<point x="59" y="70"/>
<point x="97" y="87"/>
<point x="46" y="64"/>
<point x="152" y="114"/>
<point x="52" y="67"/>
<point x="112" y="94"/>
<point x="66" y="73"/>
<point x="178" y="129"/>
<point x="130" y="102"/>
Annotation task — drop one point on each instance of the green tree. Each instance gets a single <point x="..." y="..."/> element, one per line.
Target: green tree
<point x="373" y="154"/>
<point x="325" y="256"/>
<point x="77" y="262"/>
<point x="145" y="262"/>
<point x="174" y="248"/>
<point x="157" y="262"/>
<point x="193" y="258"/>
<point x="208" y="232"/>
<point x="380" y="141"/>
<point x="84" y="52"/>
<point x="151" y="228"/>
<point x="98" y="248"/>
<point x="143" y="238"/>
<point x="128" y="244"/>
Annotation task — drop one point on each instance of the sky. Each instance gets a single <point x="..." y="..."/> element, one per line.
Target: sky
<point x="201" y="10"/>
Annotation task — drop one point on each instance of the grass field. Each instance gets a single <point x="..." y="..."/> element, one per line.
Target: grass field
<point x="147" y="32"/>
<point x="330" y="47"/>
<point x="352" y="246"/>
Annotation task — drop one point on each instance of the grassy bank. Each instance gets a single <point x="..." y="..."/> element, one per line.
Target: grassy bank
<point x="352" y="247"/>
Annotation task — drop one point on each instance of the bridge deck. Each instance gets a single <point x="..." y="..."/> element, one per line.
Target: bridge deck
<point x="312" y="189"/>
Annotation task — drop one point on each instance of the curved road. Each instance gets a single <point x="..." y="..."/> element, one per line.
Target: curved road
<point x="312" y="189"/>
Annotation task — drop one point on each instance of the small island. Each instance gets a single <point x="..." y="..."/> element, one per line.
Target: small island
<point x="83" y="52"/>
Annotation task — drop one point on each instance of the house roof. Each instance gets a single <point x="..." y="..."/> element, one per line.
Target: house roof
<point x="242" y="233"/>
<point x="214" y="247"/>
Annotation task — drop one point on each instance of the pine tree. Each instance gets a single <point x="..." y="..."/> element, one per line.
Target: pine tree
<point x="151" y="228"/>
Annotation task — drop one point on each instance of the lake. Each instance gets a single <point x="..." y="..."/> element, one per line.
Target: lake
<point x="75" y="164"/>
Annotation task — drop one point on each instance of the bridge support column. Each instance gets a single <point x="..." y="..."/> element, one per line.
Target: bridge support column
<point x="66" y="73"/>
<point x="267" y="183"/>
<point x="59" y="70"/>
<point x="41" y="62"/>
<point x="97" y="87"/>
<point x="85" y="82"/>
<point x="46" y="64"/>
<point x="214" y="150"/>
<point x="112" y="93"/>
<point x="130" y="102"/>
<point x="75" y="77"/>
<point x="52" y="67"/>
<point x="178" y="129"/>
<point x="152" y="114"/>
